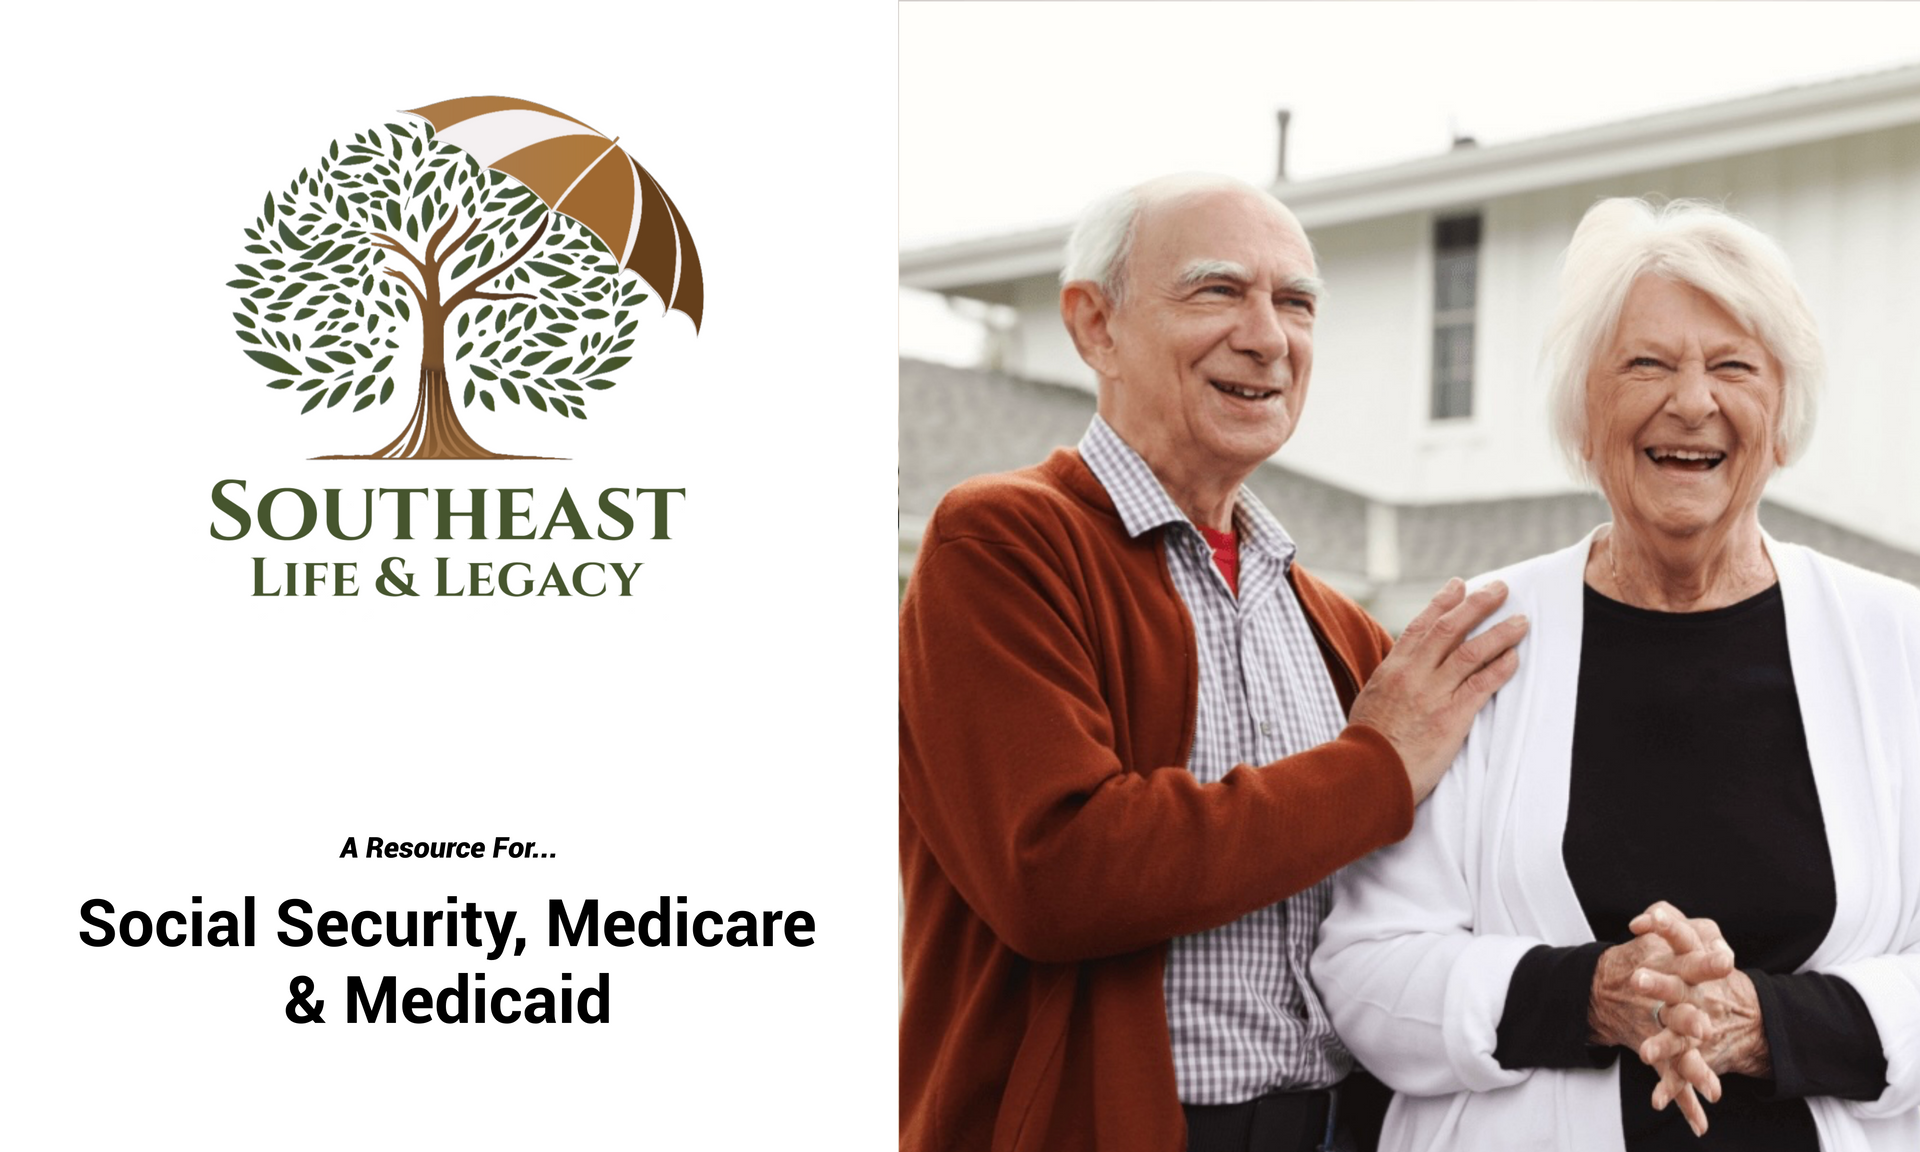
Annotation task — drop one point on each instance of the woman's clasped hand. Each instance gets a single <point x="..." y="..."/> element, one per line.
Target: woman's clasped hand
<point x="1673" y="996"/>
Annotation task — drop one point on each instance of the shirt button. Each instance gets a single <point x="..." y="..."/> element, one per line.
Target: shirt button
<point x="1266" y="729"/>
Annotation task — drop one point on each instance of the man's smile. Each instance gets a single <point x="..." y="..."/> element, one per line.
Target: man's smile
<point x="1247" y="391"/>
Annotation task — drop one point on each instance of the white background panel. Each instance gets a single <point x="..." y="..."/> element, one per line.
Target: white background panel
<point x="725" y="733"/>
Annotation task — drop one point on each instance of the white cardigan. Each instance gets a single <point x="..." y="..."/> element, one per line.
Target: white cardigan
<point x="1415" y="960"/>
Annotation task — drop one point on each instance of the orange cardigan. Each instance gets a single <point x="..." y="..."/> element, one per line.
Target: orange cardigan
<point x="1052" y="840"/>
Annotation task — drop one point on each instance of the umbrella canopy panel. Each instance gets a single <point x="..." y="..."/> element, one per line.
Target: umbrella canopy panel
<point x="576" y="170"/>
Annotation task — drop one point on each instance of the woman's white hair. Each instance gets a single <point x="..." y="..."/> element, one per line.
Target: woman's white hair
<point x="1102" y="238"/>
<point x="1693" y="243"/>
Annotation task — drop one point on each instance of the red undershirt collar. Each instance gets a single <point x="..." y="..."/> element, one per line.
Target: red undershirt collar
<point x="1226" y="556"/>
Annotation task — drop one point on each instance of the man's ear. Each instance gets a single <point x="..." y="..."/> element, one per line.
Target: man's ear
<point x="1087" y="313"/>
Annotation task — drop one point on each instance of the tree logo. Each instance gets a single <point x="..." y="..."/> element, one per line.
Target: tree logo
<point x="555" y="230"/>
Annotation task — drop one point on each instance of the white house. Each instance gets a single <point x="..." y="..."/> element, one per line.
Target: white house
<point x="1428" y="411"/>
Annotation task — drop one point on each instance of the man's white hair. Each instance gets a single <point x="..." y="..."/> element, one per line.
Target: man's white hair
<point x="1694" y="243"/>
<point x="1103" y="236"/>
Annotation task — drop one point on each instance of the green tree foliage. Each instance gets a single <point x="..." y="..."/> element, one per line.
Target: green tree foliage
<point x="317" y="312"/>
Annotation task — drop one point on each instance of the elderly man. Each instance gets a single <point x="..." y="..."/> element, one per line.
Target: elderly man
<point x="1134" y="741"/>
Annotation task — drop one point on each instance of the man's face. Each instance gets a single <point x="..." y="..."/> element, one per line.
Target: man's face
<point x="1213" y="344"/>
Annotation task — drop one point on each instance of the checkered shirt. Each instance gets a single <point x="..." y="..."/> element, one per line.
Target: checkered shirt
<point x="1243" y="1016"/>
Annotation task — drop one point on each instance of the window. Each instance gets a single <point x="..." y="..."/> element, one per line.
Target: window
<point x="1456" y="280"/>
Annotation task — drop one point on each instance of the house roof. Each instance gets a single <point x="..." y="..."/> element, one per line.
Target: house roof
<point x="1770" y="120"/>
<point x="962" y="422"/>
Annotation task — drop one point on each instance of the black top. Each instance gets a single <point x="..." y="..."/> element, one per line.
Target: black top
<point x="1691" y="783"/>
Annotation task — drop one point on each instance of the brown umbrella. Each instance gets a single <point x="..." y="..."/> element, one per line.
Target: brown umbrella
<point x="581" y="172"/>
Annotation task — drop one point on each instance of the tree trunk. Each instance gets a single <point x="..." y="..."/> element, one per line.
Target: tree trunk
<point x="434" y="432"/>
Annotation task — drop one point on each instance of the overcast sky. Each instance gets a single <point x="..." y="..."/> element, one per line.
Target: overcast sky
<point x="1016" y="114"/>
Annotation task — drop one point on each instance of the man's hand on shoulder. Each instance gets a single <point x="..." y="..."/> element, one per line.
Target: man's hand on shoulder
<point x="1424" y="695"/>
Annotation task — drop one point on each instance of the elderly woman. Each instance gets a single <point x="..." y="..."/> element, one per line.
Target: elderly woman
<point x="1706" y="723"/>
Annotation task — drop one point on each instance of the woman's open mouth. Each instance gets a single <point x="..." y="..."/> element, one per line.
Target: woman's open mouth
<point x="1687" y="459"/>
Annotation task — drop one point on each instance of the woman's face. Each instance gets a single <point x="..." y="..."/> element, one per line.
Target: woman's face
<point x="1683" y="414"/>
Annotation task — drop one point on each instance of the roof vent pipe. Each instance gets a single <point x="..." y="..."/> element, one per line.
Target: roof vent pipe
<point x="1280" y="164"/>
